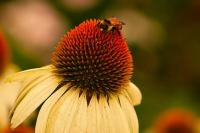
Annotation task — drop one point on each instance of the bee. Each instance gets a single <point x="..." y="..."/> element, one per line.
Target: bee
<point x="110" y="24"/>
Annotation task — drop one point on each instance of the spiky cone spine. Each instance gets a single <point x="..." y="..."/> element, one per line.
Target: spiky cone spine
<point x="87" y="89"/>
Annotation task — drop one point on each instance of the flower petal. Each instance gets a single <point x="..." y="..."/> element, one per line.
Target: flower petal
<point x="118" y="116"/>
<point x="107" y="124"/>
<point x="134" y="94"/>
<point x="93" y="116"/>
<point x="63" y="113"/>
<point x="46" y="108"/>
<point x="130" y="113"/>
<point x="38" y="94"/>
<point x="28" y="86"/>
<point x="27" y="79"/>
<point x="79" y="122"/>
<point x="3" y="114"/>
<point x="25" y="75"/>
<point x="8" y="93"/>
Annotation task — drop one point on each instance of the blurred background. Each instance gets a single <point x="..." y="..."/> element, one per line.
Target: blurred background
<point x="163" y="36"/>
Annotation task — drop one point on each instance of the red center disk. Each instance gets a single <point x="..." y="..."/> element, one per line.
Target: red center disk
<point x="92" y="59"/>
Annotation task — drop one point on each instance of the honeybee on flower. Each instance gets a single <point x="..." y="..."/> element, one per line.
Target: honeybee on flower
<point x="87" y="87"/>
<point x="110" y="24"/>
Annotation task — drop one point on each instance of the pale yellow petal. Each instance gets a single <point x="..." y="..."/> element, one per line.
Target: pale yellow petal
<point x="3" y="115"/>
<point x="37" y="95"/>
<point x="26" y="80"/>
<point x="25" y="75"/>
<point x="130" y="113"/>
<point x="79" y="122"/>
<point x="8" y="93"/>
<point x="46" y="108"/>
<point x="133" y="93"/>
<point x="106" y="120"/>
<point x="63" y="113"/>
<point x="32" y="83"/>
<point x="93" y="116"/>
<point x="118" y="116"/>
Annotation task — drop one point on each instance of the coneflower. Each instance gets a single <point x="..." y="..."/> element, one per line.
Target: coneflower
<point x="87" y="89"/>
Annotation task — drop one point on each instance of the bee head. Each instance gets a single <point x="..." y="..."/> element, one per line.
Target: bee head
<point x="110" y="24"/>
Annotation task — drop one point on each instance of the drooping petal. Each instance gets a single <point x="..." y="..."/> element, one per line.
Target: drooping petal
<point x="27" y="79"/>
<point x="3" y="114"/>
<point x="93" y="116"/>
<point x="107" y="125"/>
<point x="46" y="108"/>
<point x="133" y="93"/>
<point x="130" y="113"/>
<point x="72" y="114"/>
<point x="118" y="116"/>
<point x="8" y="93"/>
<point x="26" y="75"/>
<point x="63" y="113"/>
<point x="38" y="79"/>
<point x="36" y="96"/>
<point x="79" y="122"/>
